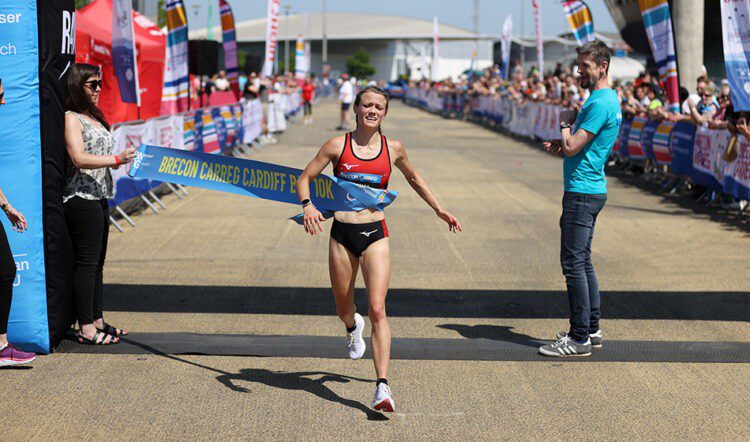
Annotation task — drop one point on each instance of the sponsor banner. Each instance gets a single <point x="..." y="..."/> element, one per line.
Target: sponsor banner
<point x="647" y="137"/>
<point x="21" y="168"/>
<point x="681" y="144"/>
<point x="735" y="26"/>
<point x="124" y="137"/>
<point x="737" y="173"/>
<point x="174" y="97"/>
<point x="660" y="143"/>
<point x="123" y="51"/>
<point x="580" y="19"/>
<point x="505" y="45"/>
<point x="658" y="23"/>
<point x="708" y="165"/>
<point x="635" y="151"/>
<point x="252" y="120"/>
<point x="254" y="178"/>
<point x="272" y="33"/>
<point x="229" y="41"/>
<point x="168" y="131"/>
<point x="621" y="144"/>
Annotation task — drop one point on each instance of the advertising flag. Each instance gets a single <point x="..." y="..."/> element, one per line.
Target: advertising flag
<point x="176" y="89"/>
<point x="505" y="42"/>
<point x="123" y="51"/>
<point x="735" y="27"/>
<point x="300" y="60"/>
<point x="272" y="34"/>
<point x="229" y="40"/>
<point x="539" y="40"/>
<point x="435" y="49"/>
<point x="580" y="19"/>
<point x="658" y="23"/>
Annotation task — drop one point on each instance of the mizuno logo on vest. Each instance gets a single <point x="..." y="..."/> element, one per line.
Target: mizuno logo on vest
<point x="367" y="234"/>
<point x="349" y="166"/>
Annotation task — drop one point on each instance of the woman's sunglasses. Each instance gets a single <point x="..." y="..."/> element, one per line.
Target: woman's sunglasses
<point x="94" y="84"/>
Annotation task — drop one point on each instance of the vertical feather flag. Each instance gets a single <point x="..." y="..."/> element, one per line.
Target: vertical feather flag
<point x="507" y="33"/>
<point x="580" y="19"/>
<point x="229" y="40"/>
<point x="539" y="38"/>
<point x="435" y="49"/>
<point x="174" y="96"/>
<point x="272" y="34"/>
<point x="658" y="23"/>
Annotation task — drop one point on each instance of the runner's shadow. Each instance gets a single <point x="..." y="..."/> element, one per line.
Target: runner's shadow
<point x="302" y="381"/>
<point x="494" y="332"/>
<point x="278" y="379"/>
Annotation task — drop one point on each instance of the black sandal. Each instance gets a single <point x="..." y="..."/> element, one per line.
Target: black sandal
<point x="99" y="339"/>
<point x="114" y="331"/>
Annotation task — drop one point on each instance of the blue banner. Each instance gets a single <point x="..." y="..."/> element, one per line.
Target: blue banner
<point x="681" y="144"/>
<point x="647" y="138"/>
<point x="221" y="129"/>
<point x="123" y="51"/>
<point x="623" y="137"/>
<point x="20" y="170"/>
<point x="253" y="178"/>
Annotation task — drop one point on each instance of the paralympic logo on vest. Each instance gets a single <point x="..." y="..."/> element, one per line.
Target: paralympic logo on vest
<point x="255" y="179"/>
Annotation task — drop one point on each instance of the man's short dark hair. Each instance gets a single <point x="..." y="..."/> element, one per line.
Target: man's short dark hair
<point x="597" y="49"/>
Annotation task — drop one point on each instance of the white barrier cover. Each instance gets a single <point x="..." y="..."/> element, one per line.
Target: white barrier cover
<point x="168" y="132"/>
<point x="252" y="120"/>
<point x="708" y="152"/>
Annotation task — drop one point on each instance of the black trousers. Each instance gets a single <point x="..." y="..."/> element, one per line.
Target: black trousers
<point x="7" y="276"/>
<point x="88" y="225"/>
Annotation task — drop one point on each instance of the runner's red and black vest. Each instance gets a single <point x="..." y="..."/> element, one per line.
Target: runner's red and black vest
<point x="374" y="172"/>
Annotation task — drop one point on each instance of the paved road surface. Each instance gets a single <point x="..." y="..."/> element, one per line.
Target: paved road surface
<point x="467" y="312"/>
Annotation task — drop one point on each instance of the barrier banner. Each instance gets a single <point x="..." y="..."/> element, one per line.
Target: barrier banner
<point x="252" y="120"/>
<point x="124" y="137"/>
<point x="220" y="127"/>
<point x="253" y="178"/>
<point x="660" y="143"/>
<point x="647" y="136"/>
<point x="737" y="177"/>
<point x="621" y="145"/>
<point x="681" y="145"/>
<point x="210" y="133"/>
<point x="635" y="151"/>
<point x="167" y="131"/>
<point x="708" y="166"/>
<point x="188" y="134"/>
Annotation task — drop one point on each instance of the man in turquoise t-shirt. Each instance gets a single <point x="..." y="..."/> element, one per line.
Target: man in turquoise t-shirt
<point x="586" y="149"/>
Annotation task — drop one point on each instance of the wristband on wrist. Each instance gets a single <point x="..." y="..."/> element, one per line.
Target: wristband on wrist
<point x="305" y="202"/>
<point x="564" y="125"/>
<point x="117" y="160"/>
<point x="4" y="205"/>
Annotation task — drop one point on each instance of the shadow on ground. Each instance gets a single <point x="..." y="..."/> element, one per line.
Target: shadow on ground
<point x="313" y="382"/>
<point x="493" y="332"/>
<point x="706" y="306"/>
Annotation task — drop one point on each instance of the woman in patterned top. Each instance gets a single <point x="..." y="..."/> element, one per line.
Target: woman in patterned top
<point x="89" y="186"/>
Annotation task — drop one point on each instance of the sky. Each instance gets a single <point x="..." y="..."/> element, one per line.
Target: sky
<point x="459" y="13"/>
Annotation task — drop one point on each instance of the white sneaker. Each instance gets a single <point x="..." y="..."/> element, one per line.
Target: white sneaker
<point x="355" y="343"/>
<point x="383" y="400"/>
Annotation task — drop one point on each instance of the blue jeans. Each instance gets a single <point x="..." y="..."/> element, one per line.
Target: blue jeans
<point x="577" y="231"/>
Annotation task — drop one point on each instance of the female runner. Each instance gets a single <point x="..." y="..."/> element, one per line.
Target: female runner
<point x="361" y="238"/>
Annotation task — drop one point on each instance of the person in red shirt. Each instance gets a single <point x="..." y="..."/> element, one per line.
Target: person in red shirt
<point x="308" y="94"/>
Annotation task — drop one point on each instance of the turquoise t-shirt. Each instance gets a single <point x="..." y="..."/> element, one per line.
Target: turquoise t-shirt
<point x="600" y="115"/>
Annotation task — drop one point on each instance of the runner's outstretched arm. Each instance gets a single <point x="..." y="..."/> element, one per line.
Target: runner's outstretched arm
<point x="420" y="186"/>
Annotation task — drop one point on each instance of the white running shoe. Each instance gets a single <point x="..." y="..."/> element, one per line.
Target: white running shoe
<point x="383" y="400"/>
<point x="354" y="342"/>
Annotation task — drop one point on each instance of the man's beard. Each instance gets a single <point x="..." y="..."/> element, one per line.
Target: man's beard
<point x="590" y="84"/>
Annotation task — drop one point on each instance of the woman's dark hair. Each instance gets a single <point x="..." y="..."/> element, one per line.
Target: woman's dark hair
<point x="77" y="100"/>
<point x="374" y="90"/>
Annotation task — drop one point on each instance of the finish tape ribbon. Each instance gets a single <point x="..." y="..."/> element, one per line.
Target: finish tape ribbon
<point x="254" y="178"/>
